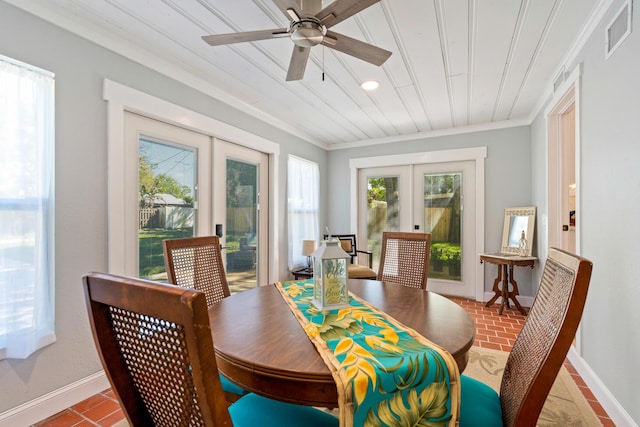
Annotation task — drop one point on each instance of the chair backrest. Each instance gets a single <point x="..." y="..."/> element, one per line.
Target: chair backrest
<point x="196" y="263"/>
<point x="548" y="331"/>
<point x="154" y="341"/>
<point x="405" y="258"/>
<point x="347" y="243"/>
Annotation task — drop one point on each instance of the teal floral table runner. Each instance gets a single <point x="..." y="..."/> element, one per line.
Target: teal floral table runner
<point x="386" y="373"/>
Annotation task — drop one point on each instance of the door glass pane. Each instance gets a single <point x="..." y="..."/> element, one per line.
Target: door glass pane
<point x="383" y="209"/>
<point x="442" y="218"/>
<point x="242" y="223"/>
<point x="167" y="188"/>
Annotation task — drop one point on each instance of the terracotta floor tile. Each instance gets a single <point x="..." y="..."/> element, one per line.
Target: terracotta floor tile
<point x="111" y="419"/>
<point x="491" y="345"/>
<point x="61" y="419"/>
<point x="102" y="410"/>
<point x="89" y="403"/>
<point x="606" y="422"/>
<point x="578" y="380"/>
<point x="84" y="423"/>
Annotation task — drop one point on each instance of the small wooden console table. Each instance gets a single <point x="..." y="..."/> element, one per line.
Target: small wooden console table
<point x="303" y="273"/>
<point x="505" y="265"/>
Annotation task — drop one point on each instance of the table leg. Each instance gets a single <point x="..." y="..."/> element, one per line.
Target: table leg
<point x="505" y="289"/>
<point x="512" y="295"/>
<point x="496" y="289"/>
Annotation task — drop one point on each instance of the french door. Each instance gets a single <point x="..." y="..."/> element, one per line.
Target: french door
<point x="168" y="190"/>
<point x="240" y="212"/>
<point x="384" y="205"/>
<point x="180" y="183"/>
<point x="442" y="191"/>
<point x="425" y="198"/>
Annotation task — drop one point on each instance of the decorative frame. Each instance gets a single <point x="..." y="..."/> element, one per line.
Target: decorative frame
<point x="517" y="220"/>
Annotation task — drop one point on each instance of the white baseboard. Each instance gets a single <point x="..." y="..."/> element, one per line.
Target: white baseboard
<point x="616" y="412"/>
<point x="51" y="403"/>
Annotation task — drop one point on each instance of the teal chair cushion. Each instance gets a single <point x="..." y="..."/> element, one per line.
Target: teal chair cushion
<point x="230" y="387"/>
<point x="252" y="410"/>
<point x="479" y="404"/>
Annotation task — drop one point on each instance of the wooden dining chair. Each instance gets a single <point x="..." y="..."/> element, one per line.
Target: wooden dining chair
<point x="405" y="258"/>
<point x="196" y="263"/>
<point x="538" y="352"/>
<point x="155" y="343"/>
<point x="355" y="270"/>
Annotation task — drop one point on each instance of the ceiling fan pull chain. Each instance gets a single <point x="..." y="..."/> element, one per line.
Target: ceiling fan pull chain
<point x="322" y="62"/>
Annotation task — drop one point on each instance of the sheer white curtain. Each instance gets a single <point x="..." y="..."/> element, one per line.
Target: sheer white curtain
<point x="26" y="209"/>
<point x="303" y="193"/>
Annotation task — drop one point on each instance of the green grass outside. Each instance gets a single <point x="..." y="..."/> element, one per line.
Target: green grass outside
<point x="151" y="254"/>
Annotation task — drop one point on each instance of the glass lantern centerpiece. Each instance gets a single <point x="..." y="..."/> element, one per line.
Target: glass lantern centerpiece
<point x="330" y="276"/>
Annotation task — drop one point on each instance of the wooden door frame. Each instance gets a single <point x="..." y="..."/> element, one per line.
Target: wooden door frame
<point x="567" y="96"/>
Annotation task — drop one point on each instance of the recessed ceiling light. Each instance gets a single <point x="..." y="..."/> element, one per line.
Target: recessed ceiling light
<point x="370" y="85"/>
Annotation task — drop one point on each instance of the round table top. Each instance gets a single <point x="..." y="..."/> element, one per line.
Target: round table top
<point x="261" y="346"/>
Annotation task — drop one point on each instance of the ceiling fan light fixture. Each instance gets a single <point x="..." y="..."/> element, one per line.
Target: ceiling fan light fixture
<point x="370" y="85"/>
<point x="307" y="32"/>
<point x="308" y="23"/>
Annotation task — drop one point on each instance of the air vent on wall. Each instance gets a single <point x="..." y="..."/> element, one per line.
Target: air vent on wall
<point x="558" y="80"/>
<point x="619" y="29"/>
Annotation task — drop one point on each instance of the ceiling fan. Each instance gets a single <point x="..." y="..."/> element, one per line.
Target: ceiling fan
<point x="309" y="28"/>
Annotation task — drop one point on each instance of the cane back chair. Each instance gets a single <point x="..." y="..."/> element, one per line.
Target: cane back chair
<point x="196" y="263"/>
<point x="538" y="352"/>
<point x="155" y="343"/>
<point x="405" y="258"/>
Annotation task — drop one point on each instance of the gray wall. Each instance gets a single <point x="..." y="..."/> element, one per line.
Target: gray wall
<point x="81" y="183"/>
<point x="610" y="181"/>
<point x="507" y="181"/>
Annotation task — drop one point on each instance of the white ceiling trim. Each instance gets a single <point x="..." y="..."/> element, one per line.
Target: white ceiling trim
<point x="433" y="134"/>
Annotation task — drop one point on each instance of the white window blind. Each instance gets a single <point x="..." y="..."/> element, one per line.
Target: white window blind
<point x="26" y="209"/>
<point x="303" y="193"/>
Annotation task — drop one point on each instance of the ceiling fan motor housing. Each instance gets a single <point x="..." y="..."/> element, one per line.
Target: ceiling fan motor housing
<point x="307" y="32"/>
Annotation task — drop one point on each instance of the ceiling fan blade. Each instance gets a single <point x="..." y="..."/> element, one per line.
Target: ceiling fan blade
<point x="298" y="63"/>
<point x="247" y="36"/>
<point x="287" y="6"/>
<point x="356" y="48"/>
<point x="340" y="10"/>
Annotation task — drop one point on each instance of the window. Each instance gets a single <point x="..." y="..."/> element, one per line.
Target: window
<point x="302" y="201"/>
<point x="26" y="209"/>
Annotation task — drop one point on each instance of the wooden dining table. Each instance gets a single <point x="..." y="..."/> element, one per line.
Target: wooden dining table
<point x="261" y="346"/>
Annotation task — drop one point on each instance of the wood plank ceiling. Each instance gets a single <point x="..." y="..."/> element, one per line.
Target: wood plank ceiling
<point x="454" y="63"/>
